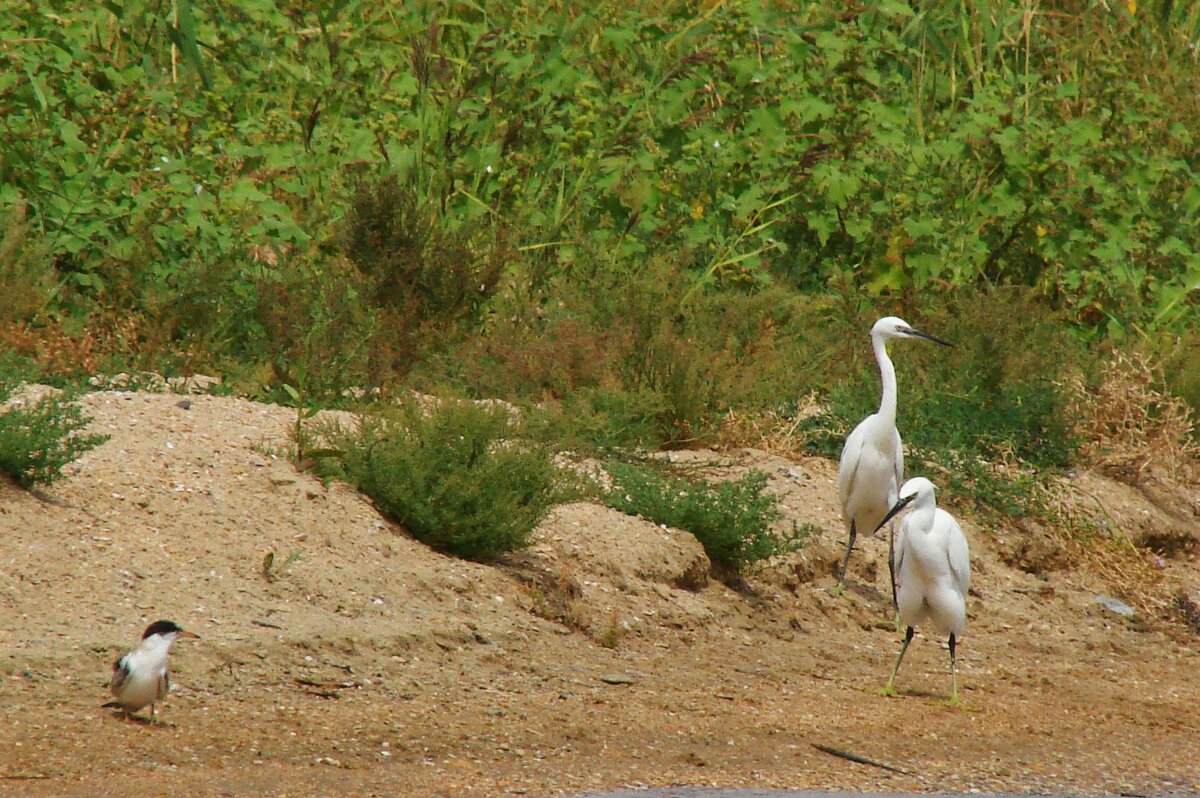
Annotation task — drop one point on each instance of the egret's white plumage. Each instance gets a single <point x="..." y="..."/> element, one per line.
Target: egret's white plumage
<point x="140" y="677"/>
<point x="872" y="462"/>
<point x="932" y="565"/>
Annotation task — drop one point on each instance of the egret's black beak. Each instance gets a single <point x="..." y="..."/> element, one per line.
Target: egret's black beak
<point x="927" y="337"/>
<point x="900" y="505"/>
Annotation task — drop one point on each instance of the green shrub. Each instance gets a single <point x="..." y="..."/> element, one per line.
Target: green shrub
<point x="459" y="476"/>
<point x="420" y="273"/>
<point x="314" y="329"/>
<point x="26" y="269"/>
<point x="38" y="439"/>
<point x="603" y="421"/>
<point x="732" y="519"/>
<point x="14" y="370"/>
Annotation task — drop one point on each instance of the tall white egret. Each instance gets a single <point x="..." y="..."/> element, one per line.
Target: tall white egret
<point x="932" y="564"/>
<point x="872" y="464"/>
<point x="140" y="677"/>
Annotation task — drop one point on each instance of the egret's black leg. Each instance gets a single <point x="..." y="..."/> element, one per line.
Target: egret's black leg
<point x="892" y="570"/>
<point x="953" y="672"/>
<point x="849" y="548"/>
<point x="888" y="689"/>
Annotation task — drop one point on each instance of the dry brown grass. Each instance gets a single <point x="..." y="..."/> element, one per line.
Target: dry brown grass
<point x="1133" y="430"/>
<point x="766" y="430"/>
<point x="1111" y="559"/>
<point x="62" y="351"/>
<point x="1131" y="427"/>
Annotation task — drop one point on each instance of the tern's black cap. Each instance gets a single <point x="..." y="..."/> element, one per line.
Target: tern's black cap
<point x="161" y="628"/>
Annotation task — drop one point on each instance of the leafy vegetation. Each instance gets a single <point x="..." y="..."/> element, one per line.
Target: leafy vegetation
<point x="458" y="476"/>
<point x="640" y="217"/>
<point x="731" y="519"/>
<point x="39" y="438"/>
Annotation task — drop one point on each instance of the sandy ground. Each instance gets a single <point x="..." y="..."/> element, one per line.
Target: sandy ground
<point x="365" y="664"/>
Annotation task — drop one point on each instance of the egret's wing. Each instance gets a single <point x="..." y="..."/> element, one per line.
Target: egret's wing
<point x="959" y="556"/>
<point x="120" y="674"/>
<point x="848" y="465"/>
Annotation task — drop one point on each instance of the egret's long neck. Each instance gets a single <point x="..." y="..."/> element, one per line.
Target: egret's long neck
<point x="922" y="516"/>
<point x="887" y="375"/>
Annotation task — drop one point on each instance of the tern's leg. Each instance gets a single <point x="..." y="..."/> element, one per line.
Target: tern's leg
<point x="152" y="714"/>
<point x="889" y="689"/>
<point x="849" y="548"/>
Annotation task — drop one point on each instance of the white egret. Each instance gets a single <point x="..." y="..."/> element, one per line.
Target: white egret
<point x="932" y="565"/>
<point x="140" y="677"/>
<point x="872" y="464"/>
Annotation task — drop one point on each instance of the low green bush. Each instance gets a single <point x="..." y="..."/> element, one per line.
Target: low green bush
<point x="38" y="439"/>
<point x="732" y="520"/>
<point x="461" y="477"/>
<point x="14" y="370"/>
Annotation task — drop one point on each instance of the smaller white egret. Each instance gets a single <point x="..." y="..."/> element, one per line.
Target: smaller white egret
<point x="872" y="463"/>
<point x="932" y="565"/>
<point x="140" y="677"/>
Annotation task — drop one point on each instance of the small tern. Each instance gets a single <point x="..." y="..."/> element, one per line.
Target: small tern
<point x="140" y="677"/>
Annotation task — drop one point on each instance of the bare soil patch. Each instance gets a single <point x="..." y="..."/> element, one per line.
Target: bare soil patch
<point x="365" y="664"/>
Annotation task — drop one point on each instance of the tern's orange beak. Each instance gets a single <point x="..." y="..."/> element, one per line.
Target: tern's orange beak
<point x="189" y="634"/>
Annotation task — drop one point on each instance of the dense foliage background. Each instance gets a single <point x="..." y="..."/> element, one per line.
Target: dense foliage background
<point x="639" y="218"/>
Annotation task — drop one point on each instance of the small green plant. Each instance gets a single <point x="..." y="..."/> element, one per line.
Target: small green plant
<point x="14" y="370"/>
<point x="610" y="636"/>
<point x="38" y="439"/>
<point x="732" y="520"/>
<point x="459" y="476"/>
<point x="271" y="570"/>
<point x="304" y="454"/>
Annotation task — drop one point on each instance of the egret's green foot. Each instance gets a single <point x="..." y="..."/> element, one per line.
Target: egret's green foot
<point x="837" y="589"/>
<point x="953" y="702"/>
<point x="889" y="691"/>
<point x="899" y="626"/>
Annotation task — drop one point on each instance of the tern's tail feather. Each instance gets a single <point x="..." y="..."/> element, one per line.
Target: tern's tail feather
<point x="111" y="704"/>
